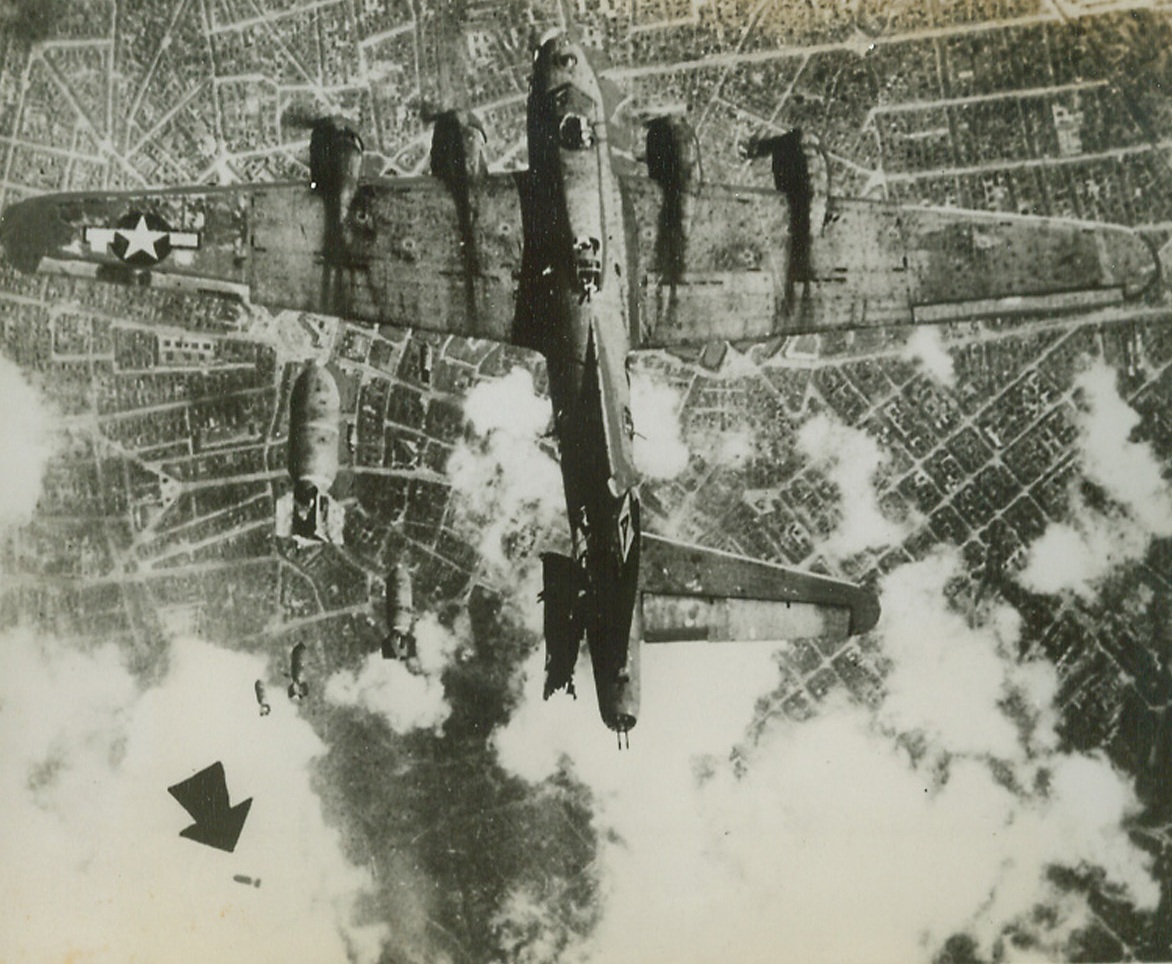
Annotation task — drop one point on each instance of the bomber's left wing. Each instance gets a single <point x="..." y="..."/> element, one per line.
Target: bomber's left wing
<point x="412" y="257"/>
<point x="688" y="592"/>
<point x="720" y="263"/>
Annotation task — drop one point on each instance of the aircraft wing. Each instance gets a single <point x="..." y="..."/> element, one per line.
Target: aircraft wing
<point x="870" y="263"/>
<point x="691" y="593"/>
<point x="414" y="259"/>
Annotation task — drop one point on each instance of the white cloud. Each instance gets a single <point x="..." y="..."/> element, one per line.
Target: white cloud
<point x="927" y="350"/>
<point x="706" y="854"/>
<point x="734" y="447"/>
<point x="738" y="364"/>
<point x="1079" y="554"/>
<point x="435" y="644"/>
<point x="850" y="458"/>
<point x="528" y="926"/>
<point x="729" y="448"/>
<point x="407" y="700"/>
<point x="93" y="863"/>
<point x="939" y="812"/>
<point x="660" y="452"/>
<point x="677" y="680"/>
<point x="508" y="486"/>
<point x="509" y="404"/>
<point x="949" y="676"/>
<point x="1076" y="555"/>
<point x="1128" y="471"/>
<point x="26" y="443"/>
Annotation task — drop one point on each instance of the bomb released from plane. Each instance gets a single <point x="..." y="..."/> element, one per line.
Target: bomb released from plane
<point x="262" y="697"/>
<point x="298" y="687"/>
<point x="314" y="433"/>
<point x="400" y="641"/>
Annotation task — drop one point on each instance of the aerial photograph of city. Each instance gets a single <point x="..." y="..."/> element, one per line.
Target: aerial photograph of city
<point x="638" y="481"/>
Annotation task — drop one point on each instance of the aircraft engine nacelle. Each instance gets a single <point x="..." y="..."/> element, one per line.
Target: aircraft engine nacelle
<point x="335" y="158"/>
<point x="457" y="148"/>
<point x="801" y="172"/>
<point x="563" y="625"/>
<point x="673" y="153"/>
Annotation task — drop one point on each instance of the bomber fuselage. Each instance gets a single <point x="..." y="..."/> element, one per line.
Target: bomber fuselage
<point x="576" y="252"/>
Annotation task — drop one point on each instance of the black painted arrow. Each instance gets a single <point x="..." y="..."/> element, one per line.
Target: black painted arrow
<point x="205" y="797"/>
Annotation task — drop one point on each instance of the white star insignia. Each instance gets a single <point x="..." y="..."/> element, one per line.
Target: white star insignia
<point x="141" y="238"/>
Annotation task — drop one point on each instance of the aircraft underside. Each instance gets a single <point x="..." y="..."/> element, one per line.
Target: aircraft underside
<point x="584" y="264"/>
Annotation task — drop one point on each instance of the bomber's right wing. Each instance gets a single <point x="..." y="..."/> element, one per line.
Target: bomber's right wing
<point x="413" y="258"/>
<point x="688" y="592"/>
<point x="721" y="265"/>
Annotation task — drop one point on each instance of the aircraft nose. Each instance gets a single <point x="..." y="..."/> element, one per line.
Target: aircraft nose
<point x="549" y="43"/>
<point x="27" y="231"/>
<point x="558" y="60"/>
<point x="563" y="55"/>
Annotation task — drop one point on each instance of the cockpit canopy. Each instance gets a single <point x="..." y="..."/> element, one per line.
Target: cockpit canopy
<point x="575" y="132"/>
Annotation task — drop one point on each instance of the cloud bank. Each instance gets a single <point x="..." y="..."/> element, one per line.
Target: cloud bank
<point x="94" y="866"/>
<point x="659" y="450"/>
<point x="407" y="700"/>
<point x="926" y="349"/>
<point x="731" y="831"/>
<point x="508" y="486"/>
<point x="856" y="835"/>
<point x="26" y="444"/>
<point x="1077" y="554"/>
<point x="849" y="457"/>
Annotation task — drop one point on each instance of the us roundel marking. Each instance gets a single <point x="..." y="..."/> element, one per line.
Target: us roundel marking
<point x="140" y="239"/>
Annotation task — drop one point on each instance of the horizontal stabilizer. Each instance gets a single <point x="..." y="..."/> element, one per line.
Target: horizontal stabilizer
<point x="693" y="593"/>
<point x="677" y="619"/>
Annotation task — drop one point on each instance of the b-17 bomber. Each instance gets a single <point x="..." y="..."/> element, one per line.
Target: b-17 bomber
<point x="795" y="376"/>
<point x="585" y="259"/>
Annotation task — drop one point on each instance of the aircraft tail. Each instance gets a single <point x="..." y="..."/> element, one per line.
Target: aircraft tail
<point x="310" y="517"/>
<point x="399" y="645"/>
<point x="688" y="592"/>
